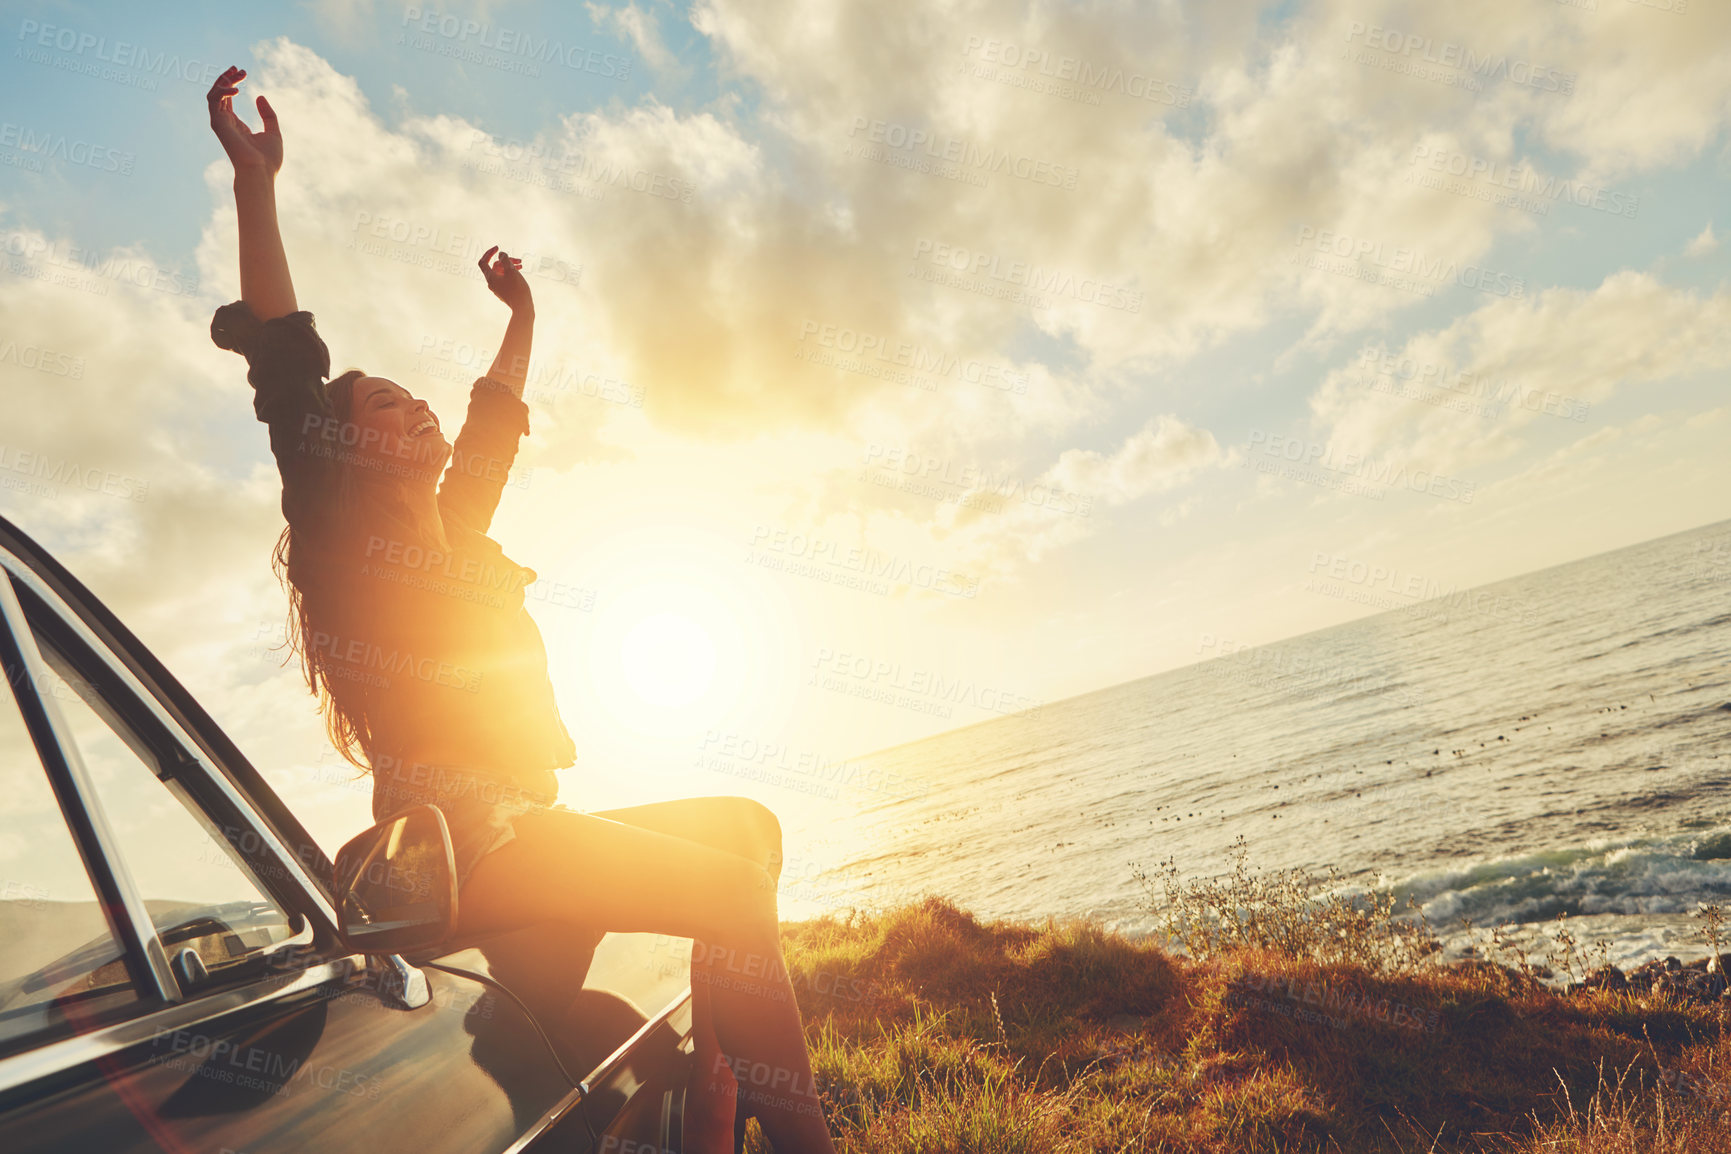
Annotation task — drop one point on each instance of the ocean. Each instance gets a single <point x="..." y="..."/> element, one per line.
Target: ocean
<point x="1554" y="743"/>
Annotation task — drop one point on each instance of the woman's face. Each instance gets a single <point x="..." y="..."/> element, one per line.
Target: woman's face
<point x="397" y="431"/>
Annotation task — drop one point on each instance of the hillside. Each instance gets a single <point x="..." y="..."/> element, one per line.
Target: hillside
<point x="932" y="1032"/>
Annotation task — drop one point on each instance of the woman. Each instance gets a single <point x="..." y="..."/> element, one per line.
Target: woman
<point x="411" y="628"/>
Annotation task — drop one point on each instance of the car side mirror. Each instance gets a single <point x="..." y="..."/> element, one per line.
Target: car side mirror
<point x="396" y="884"/>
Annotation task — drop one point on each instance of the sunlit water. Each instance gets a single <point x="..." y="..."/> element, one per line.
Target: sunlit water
<point x="1553" y="743"/>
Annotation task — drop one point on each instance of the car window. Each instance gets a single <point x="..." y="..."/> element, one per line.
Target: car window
<point x="200" y="894"/>
<point x="61" y="967"/>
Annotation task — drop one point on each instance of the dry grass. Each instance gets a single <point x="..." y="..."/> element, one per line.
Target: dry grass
<point x="936" y="1034"/>
<point x="1290" y="912"/>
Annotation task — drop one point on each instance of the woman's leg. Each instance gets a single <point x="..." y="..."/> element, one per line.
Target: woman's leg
<point x="629" y="878"/>
<point x="715" y="1110"/>
<point x="735" y="824"/>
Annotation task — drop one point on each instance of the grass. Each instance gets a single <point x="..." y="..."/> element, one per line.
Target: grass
<point x="1289" y="912"/>
<point x="934" y="1033"/>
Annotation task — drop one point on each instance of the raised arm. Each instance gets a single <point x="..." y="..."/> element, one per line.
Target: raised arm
<point x="264" y="273"/>
<point x="505" y="279"/>
<point x="497" y="419"/>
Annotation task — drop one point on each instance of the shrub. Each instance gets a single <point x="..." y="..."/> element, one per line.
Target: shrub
<point x="1289" y="912"/>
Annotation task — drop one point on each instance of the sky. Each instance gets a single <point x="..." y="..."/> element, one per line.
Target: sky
<point x="896" y="367"/>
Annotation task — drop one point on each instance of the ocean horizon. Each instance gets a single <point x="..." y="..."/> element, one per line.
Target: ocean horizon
<point x="1548" y="744"/>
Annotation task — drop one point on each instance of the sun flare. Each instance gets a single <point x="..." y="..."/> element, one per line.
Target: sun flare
<point x="669" y="660"/>
<point x="683" y="643"/>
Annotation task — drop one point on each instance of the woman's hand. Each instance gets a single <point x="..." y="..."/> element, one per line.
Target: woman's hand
<point x="247" y="150"/>
<point x="505" y="279"/>
<point x="265" y="284"/>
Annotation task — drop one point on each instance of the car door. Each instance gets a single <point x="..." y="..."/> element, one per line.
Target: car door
<point x="171" y="977"/>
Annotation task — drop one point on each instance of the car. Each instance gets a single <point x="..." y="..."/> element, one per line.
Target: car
<point x="183" y="968"/>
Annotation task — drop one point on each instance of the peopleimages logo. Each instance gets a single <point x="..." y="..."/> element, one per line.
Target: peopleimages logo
<point x="874" y="678"/>
<point x="258" y="1068"/>
<point x="504" y="153"/>
<point x="514" y="46"/>
<point x="1088" y="77"/>
<point x="1448" y="54"/>
<point x="1386" y="472"/>
<point x="1409" y="261"/>
<point x="1035" y="279"/>
<point x="917" y="358"/>
<point x="59" y="146"/>
<point x="970" y="486"/>
<point x="43" y="360"/>
<point x="742" y="755"/>
<point x="965" y="154"/>
<point x="86" y="269"/>
<point x="1523" y="179"/>
<point x="58" y="471"/>
<point x="121" y="54"/>
<point x="1391" y="374"/>
<point x="814" y="556"/>
<point x="357" y="659"/>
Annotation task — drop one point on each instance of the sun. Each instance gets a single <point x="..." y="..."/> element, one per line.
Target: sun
<point x="668" y="659"/>
<point x="681" y="650"/>
<point x="668" y="652"/>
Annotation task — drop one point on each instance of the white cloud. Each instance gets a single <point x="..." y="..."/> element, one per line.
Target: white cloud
<point x="1299" y="134"/>
<point x="1066" y="502"/>
<point x="642" y="29"/>
<point x="1162" y="455"/>
<point x="682" y="251"/>
<point x="1543" y="357"/>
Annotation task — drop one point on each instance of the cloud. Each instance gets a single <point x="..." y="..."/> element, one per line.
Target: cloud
<point x="684" y="253"/>
<point x="642" y="29"/>
<point x="1552" y="356"/>
<point x="129" y="446"/>
<point x="1308" y="125"/>
<point x="1062" y="505"/>
<point x="674" y="256"/>
<point x="1162" y="455"/>
<point x="1080" y="200"/>
<point x="707" y="239"/>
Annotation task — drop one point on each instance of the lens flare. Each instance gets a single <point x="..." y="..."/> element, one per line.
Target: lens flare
<point x="668" y="659"/>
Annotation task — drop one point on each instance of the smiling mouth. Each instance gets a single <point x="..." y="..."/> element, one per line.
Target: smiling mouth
<point x="424" y="427"/>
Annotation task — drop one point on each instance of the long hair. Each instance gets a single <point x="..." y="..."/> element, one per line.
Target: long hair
<point x="311" y="562"/>
<point x="342" y="701"/>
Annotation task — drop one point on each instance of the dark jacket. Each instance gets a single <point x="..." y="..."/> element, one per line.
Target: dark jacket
<point x="438" y="645"/>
